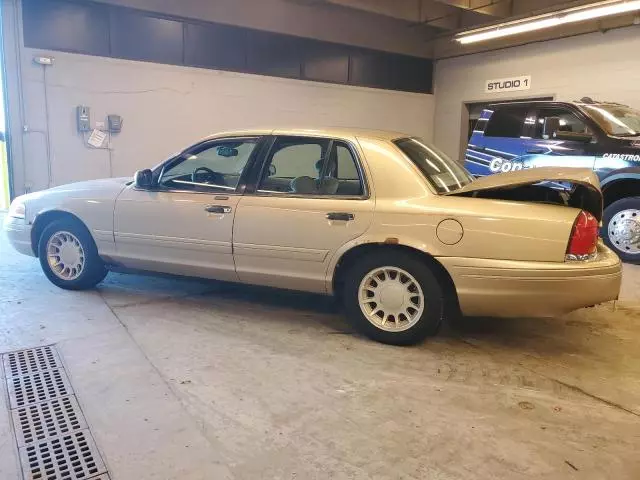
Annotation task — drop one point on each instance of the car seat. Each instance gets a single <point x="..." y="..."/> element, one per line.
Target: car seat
<point x="304" y="185"/>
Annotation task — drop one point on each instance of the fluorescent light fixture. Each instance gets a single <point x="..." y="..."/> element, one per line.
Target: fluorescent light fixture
<point x="561" y="17"/>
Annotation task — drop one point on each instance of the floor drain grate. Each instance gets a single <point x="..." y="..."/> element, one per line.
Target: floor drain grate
<point x="36" y="422"/>
<point x="38" y="387"/>
<point x="26" y="362"/>
<point x="67" y="457"/>
<point x="51" y="433"/>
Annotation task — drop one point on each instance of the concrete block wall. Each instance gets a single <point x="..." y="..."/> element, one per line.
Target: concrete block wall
<point x="166" y="108"/>
<point x="599" y="65"/>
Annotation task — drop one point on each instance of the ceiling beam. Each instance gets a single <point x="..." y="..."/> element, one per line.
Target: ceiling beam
<point x="429" y="12"/>
<point x="438" y="14"/>
<point x="408" y="10"/>
<point x="491" y="8"/>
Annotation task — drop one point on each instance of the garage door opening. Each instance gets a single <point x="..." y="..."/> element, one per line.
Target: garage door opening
<point x="5" y="194"/>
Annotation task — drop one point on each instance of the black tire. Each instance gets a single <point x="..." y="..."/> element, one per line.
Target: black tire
<point x="93" y="271"/>
<point x="623" y="251"/>
<point x="432" y="317"/>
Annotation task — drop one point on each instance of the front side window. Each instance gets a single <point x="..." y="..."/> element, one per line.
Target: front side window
<point x="311" y="166"/>
<point x="615" y="119"/>
<point x="569" y="122"/>
<point x="443" y="173"/>
<point x="506" y="122"/>
<point x="215" y="167"/>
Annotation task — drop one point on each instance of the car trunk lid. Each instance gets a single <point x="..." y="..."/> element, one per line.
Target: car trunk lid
<point x="531" y="185"/>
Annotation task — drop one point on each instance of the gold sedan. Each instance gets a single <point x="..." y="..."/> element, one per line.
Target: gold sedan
<point x="384" y="220"/>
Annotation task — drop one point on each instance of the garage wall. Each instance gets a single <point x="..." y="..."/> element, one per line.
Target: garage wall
<point x="165" y="108"/>
<point x="601" y="66"/>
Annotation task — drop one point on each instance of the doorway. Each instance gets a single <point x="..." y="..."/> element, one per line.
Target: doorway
<point x="5" y="188"/>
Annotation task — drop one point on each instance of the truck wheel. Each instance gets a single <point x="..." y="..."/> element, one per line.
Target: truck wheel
<point x="394" y="298"/>
<point x="69" y="257"/>
<point x="621" y="228"/>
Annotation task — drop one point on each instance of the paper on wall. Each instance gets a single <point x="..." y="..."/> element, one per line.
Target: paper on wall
<point x="97" y="138"/>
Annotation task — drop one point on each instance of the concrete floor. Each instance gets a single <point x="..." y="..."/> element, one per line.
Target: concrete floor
<point x="186" y="379"/>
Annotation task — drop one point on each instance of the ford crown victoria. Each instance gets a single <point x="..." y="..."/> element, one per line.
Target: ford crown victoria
<point x="401" y="233"/>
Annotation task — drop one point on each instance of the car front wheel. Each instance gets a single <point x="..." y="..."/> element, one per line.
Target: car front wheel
<point x="69" y="257"/>
<point x="621" y="228"/>
<point x="394" y="298"/>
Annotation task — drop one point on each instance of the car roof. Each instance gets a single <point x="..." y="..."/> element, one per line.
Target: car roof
<point x="332" y="132"/>
<point x="547" y="102"/>
<point x="529" y="102"/>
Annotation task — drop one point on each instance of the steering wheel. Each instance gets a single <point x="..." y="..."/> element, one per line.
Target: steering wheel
<point x="211" y="176"/>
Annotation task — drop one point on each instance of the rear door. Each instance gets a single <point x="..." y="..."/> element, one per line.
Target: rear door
<point x="310" y="199"/>
<point x="501" y="145"/>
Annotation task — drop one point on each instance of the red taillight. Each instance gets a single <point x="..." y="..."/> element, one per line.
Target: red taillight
<point x="584" y="236"/>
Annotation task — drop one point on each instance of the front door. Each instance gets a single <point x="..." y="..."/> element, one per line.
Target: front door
<point x="542" y="151"/>
<point x="311" y="199"/>
<point x="184" y="225"/>
<point x="567" y="152"/>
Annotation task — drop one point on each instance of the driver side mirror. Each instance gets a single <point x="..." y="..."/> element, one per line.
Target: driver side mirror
<point x="143" y="179"/>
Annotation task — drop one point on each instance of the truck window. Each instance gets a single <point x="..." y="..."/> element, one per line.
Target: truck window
<point x="569" y="122"/>
<point x="506" y="122"/>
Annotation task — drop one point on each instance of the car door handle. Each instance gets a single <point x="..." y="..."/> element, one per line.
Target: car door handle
<point x="217" y="209"/>
<point x="341" y="216"/>
<point x="536" y="150"/>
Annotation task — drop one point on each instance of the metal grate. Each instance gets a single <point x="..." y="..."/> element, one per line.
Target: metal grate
<point x="38" y="387"/>
<point x="36" y="422"/>
<point x="26" y="362"/>
<point x="53" y="437"/>
<point x="67" y="457"/>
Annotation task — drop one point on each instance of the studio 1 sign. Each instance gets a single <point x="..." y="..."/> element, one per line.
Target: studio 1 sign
<point x="512" y="84"/>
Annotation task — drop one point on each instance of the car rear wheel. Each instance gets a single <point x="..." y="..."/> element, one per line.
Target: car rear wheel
<point x="621" y="228"/>
<point x="69" y="257"/>
<point x="394" y="298"/>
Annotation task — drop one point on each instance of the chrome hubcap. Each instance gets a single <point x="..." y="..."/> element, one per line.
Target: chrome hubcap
<point x="624" y="231"/>
<point x="391" y="299"/>
<point x="65" y="255"/>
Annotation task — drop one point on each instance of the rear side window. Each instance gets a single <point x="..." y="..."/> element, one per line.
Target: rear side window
<point x="444" y="174"/>
<point x="311" y="166"/>
<point x="506" y="122"/>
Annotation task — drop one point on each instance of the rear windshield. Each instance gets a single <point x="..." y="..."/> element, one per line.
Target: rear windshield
<point x="443" y="173"/>
<point x="615" y="119"/>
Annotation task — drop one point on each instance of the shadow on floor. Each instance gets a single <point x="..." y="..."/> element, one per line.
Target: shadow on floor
<point x="539" y="335"/>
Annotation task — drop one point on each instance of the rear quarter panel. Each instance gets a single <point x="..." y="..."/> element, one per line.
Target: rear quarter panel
<point x="491" y="229"/>
<point x="408" y="212"/>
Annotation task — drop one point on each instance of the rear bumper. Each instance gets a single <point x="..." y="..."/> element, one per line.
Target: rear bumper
<point x="19" y="234"/>
<point x="507" y="288"/>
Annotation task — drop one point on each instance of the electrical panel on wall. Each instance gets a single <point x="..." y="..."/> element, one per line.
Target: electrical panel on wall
<point x="115" y="123"/>
<point x="83" y="114"/>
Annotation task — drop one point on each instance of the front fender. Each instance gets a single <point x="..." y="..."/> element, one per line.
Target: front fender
<point x="95" y="212"/>
<point x="630" y="173"/>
